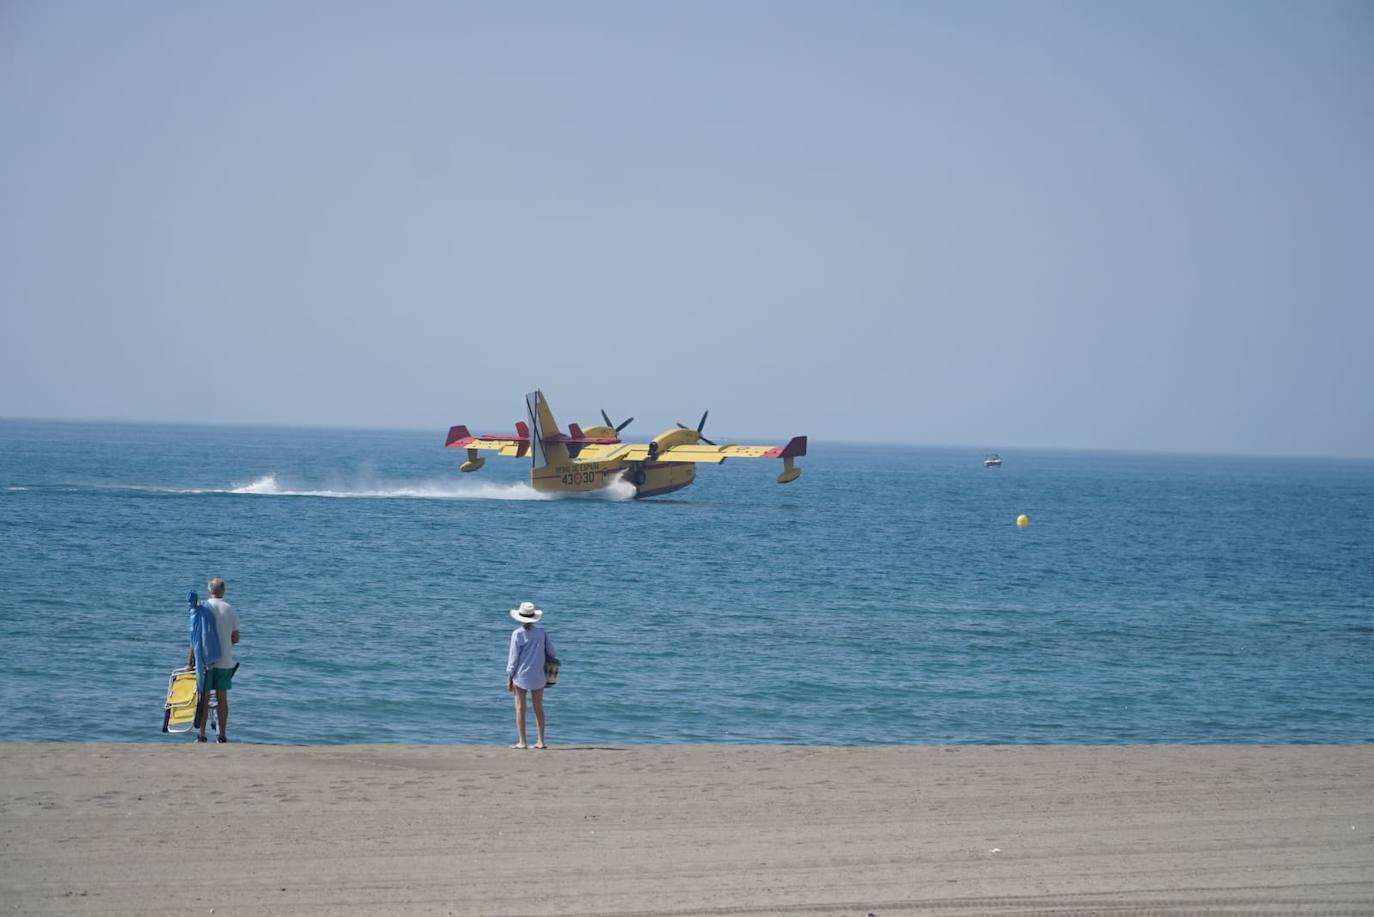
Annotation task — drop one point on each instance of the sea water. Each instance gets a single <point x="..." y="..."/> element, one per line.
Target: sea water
<point x="885" y="597"/>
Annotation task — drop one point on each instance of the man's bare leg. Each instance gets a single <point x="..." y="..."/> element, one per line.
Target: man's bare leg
<point x="520" y="717"/>
<point x="538" y="717"/>
<point x="222" y="708"/>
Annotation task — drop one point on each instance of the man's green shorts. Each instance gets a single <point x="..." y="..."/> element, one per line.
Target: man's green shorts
<point x="219" y="679"/>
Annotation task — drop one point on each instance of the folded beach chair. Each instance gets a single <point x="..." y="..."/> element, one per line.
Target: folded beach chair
<point x="179" y="713"/>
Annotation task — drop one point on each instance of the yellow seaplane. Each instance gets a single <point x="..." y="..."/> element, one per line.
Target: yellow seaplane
<point x="584" y="460"/>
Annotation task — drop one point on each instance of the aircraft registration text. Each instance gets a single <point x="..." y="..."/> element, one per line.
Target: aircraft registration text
<point x="571" y="474"/>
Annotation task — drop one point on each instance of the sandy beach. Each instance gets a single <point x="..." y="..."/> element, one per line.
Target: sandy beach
<point x="384" y="829"/>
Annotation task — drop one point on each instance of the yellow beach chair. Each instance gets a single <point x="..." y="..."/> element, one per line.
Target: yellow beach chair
<point x="179" y="714"/>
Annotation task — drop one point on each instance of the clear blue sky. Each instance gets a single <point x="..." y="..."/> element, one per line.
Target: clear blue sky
<point x="1083" y="225"/>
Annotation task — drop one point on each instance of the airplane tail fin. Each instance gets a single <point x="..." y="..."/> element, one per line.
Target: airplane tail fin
<point x="542" y="425"/>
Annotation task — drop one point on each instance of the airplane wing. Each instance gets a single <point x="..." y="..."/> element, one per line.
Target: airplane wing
<point x="609" y="451"/>
<point x="714" y="455"/>
<point x="693" y="452"/>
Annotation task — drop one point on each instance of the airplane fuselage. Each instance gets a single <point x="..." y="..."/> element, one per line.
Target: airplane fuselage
<point x="650" y="479"/>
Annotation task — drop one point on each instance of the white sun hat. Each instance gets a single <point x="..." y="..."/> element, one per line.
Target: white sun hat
<point x="526" y="613"/>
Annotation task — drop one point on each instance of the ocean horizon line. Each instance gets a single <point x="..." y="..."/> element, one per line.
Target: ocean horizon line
<point x="813" y="440"/>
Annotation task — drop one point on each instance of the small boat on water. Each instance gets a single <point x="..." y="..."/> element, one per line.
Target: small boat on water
<point x="993" y="461"/>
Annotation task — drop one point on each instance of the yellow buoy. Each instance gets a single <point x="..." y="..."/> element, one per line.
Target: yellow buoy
<point x="1023" y="520"/>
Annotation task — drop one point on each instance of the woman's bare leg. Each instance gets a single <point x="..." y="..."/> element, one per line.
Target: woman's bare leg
<point x="539" y="716"/>
<point x="520" y="717"/>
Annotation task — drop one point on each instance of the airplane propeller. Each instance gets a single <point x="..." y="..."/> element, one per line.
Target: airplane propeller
<point x="606" y="417"/>
<point x="700" y="426"/>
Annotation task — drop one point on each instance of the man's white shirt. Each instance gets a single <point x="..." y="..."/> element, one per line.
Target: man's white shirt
<point x="226" y="622"/>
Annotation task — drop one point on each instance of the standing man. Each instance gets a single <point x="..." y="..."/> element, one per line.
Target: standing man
<point x="221" y="672"/>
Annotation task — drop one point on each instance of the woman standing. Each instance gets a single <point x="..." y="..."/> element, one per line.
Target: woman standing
<point x="530" y="648"/>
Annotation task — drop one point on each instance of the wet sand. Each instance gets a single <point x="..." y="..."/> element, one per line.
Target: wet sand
<point x="181" y="829"/>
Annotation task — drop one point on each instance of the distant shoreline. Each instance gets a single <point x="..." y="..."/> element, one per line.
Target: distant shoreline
<point x="159" y="740"/>
<point x="683" y="829"/>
